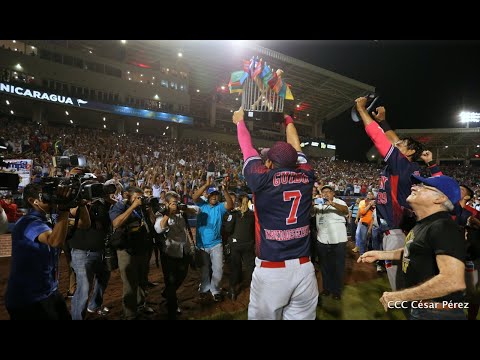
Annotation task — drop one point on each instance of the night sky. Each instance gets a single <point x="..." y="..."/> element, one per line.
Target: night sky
<point x="423" y="84"/>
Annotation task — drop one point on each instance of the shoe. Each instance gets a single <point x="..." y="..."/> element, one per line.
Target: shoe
<point x="179" y="311"/>
<point x="355" y="249"/>
<point x="336" y="297"/>
<point x="325" y="293"/>
<point x="146" y="310"/>
<point x="217" y="297"/>
<point x="152" y="284"/>
<point x="379" y="269"/>
<point x="69" y="295"/>
<point x="102" y="311"/>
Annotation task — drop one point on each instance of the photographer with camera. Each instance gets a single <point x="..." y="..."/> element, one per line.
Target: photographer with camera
<point x="209" y="237"/>
<point x="177" y="250"/>
<point x="129" y="220"/>
<point x="88" y="259"/>
<point x="32" y="290"/>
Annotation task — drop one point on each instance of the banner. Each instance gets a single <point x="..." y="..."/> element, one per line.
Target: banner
<point x="25" y="92"/>
<point x="23" y="167"/>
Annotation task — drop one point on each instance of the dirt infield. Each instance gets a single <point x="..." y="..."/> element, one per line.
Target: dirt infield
<point x="192" y="307"/>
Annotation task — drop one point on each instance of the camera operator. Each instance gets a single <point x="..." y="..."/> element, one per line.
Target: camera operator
<point x="128" y="214"/>
<point x="177" y="251"/>
<point x="145" y="283"/>
<point x="32" y="290"/>
<point x="88" y="248"/>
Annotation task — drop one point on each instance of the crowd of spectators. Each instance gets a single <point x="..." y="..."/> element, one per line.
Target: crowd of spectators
<point x="156" y="160"/>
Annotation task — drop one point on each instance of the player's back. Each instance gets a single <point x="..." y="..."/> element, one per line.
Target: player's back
<point x="282" y="199"/>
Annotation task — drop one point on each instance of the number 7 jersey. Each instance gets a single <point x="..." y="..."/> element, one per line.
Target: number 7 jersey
<point x="282" y="202"/>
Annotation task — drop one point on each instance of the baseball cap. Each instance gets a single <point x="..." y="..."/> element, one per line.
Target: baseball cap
<point x="447" y="185"/>
<point x="371" y="100"/>
<point x="264" y="152"/>
<point x="283" y="154"/>
<point x="327" y="187"/>
<point x="212" y="191"/>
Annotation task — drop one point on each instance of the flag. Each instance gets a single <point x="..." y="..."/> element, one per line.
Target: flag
<point x="244" y="77"/>
<point x="283" y="90"/>
<point x="266" y="70"/>
<point x="272" y="81"/>
<point x="235" y="84"/>
<point x="258" y="69"/>
<point x="251" y="66"/>
<point x="268" y="77"/>
<point x="278" y="85"/>
<point x="288" y="94"/>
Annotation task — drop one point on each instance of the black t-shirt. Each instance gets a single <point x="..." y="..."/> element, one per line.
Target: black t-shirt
<point x="93" y="238"/>
<point x="211" y="166"/>
<point x="435" y="235"/>
<point x="241" y="230"/>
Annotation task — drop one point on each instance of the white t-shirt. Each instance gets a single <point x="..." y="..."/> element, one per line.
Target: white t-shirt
<point x="330" y="223"/>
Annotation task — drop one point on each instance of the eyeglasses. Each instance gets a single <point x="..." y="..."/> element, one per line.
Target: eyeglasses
<point x="423" y="186"/>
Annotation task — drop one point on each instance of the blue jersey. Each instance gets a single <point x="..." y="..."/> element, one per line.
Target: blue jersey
<point x="395" y="187"/>
<point x="34" y="265"/>
<point x="282" y="199"/>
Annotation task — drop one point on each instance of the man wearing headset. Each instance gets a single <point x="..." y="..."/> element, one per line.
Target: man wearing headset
<point x="32" y="290"/>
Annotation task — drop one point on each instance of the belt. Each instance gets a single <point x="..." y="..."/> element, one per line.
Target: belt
<point x="281" y="264"/>
<point x="388" y="232"/>
<point x="364" y="223"/>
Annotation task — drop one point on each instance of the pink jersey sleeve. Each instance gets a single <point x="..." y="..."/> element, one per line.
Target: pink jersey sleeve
<point x="379" y="138"/>
<point x="245" y="141"/>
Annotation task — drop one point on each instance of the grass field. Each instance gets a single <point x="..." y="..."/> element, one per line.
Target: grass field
<point x="359" y="302"/>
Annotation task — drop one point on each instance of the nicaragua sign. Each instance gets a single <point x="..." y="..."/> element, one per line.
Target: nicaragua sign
<point x="92" y="105"/>
<point x="40" y="95"/>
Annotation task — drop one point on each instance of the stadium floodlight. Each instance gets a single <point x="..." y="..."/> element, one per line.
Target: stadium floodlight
<point x="468" y="117"/>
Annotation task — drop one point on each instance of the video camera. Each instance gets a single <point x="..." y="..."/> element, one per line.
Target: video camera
<point x="159" y="208"/>
<point x="82" y="189"/>
<point x="320" y="201"/>
<point x="8" y="181"/>
<point x="69" y="161"/>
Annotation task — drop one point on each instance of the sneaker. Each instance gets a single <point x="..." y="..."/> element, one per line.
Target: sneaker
<point x="179" y="311"/>
<point x="102" y="311"/>
<point x="148" y="310"/>
<point x="152" y="284"/>
<point x="379" y="269"/>
<point x="69" y="295"/>
<point x="217" y="297"/>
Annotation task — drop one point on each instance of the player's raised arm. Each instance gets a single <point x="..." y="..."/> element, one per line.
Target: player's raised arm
<point x="291" y="131"/>
<point x="374" y="131"/>
<point x="243" y="135"/>
<point x="379" y="115"/>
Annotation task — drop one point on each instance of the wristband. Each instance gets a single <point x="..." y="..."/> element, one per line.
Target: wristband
<point x="288" y="120"/>
<point x="385" y="126"/>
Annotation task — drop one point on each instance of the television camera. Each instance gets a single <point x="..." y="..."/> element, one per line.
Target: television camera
<point x="84" y="187"/>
